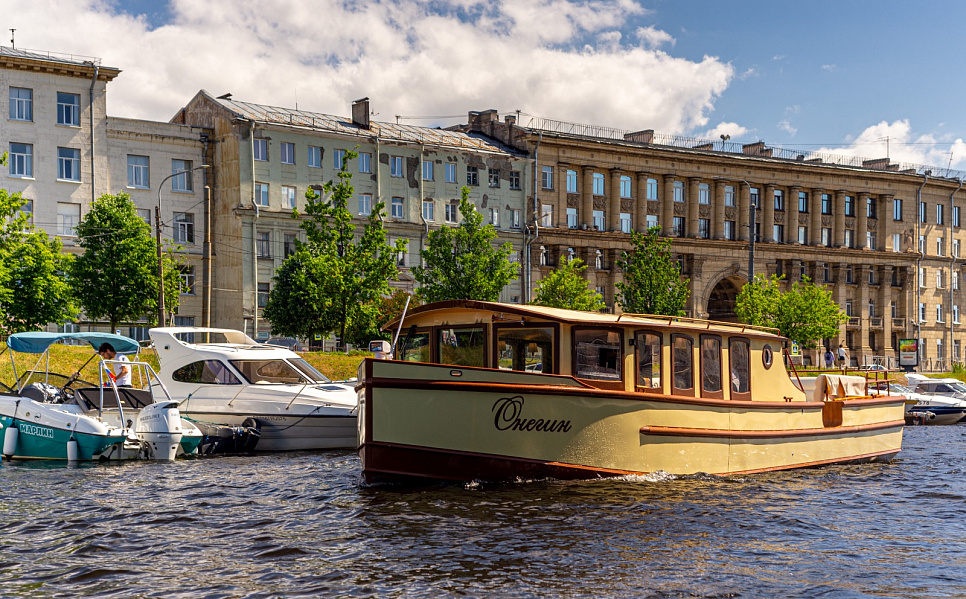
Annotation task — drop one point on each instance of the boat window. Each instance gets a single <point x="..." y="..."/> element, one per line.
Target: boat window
<point x="739" y="354"/>
<point x="461" y="347"/>
<point x="598" y="354"/>
<point x="278" y="372"/>
<point x="767" y="356"/>
<point x="415" y="347"/>
<point x="208" y="372"/>
<point x="683" y="346"/>
<point x="710" y="366"/>
<point x="525" y="349"/>
<point x="309" y="370"/>
<point x="648" y="360"/>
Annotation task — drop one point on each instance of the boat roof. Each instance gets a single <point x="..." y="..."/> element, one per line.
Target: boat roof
<point x="578" y="317"/>
<point x="921" y="378"/>
<point x="37" y="342"/>
<point x="172" y="346"/>
<point x="223" y="336"/>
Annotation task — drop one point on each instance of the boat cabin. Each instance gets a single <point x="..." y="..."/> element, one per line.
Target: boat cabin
<point x="627" y="352"/>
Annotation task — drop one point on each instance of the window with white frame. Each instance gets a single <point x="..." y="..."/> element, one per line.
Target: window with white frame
<point x="940" y="247"/>
<point x="802" y="201"/>
<point x="288" y="196"/>
<point x="546" y="177"/>
<point x="849" y="238"/>
<point x="571" y="181"/>
<point x="515" y="180"/>
<point x="472" y="175"/>
<point x="652" y="221"/>
<point x="956" y="350"/>
<point x="429" y="210"/>
<point x="678" y="226"/>
<point x="263" y="244"/>
<point x="187" y="282"/>
<point x="779" y="200"/>
<point x="922" y="276"/>
<point x="871" y="308"/>
<point x="679" y="191"/>
<point x="896" y="209"/>
<point x="68" y="164"/>
<point x="802" y="234"/>
<point x="704" y="228"/>
<point x="572" y="218"/>
<point x="897" y="242"/>
<point x="922" y="244"/>
<point x="395" y="166"/>
<point x="184" y="227"/>
<point x="598" y="184"/>
<point x="956" y="313"/>
<point x="428" y="173"/>
<point x="546" y="215"/>
<point x="286" y="152"/>
<point x="338" y="157"/>
<point x="184" y="180"/>
<point x="940" y="279"/>
<point x="261" y="149"/>
<point x="397" y="208"/>
<point x="598" y="220"/>
<point x="826" y="203"/>
<point x="263" y="293"/>
<point x="493" y="177"/>
<point x="939" y="313"/>
<point x="314" y="157"/>
<point x="939" y="214"/>
<point x="704" y="193"/>
<point x="625" y="220"/>
<point x="138" y="172"/>
<point x="922" y="212"/>
<point x="955" y="277"/>
<point x="870" y="240"/>
<point x="68" y="217"/>
<point x="20" y="160"/>
<point x="515" y="219"/>
<point x="893" y="309"/>
<point x="956" y="221"/>
<point x="779" y="233"/>
<point x="625" y="186"/>
<point x="21" y="104"/>
<point x="956" y="248"/>
<point x="826" y="273"/>
<point x="729" y="230"/>
<point x="651" y="189"/>
<point x="729" y="196"/>
<point x="870" y="207"/>
<point x="450" y="213"/>
<point x="848" y="308"/>
<point x="849" y="206"/>
<point x="261" y="194"/>
<point x="145" y="215"/>
<point x="849" y="274"/>
<point x="68" y="109"/>
<point x="450" y="172"/>
<point x="365" y="204"/>
<point x="289" y="244"/>
<point x="495" y="217"/>
<point x="365" y="162"/>
<point x="27" y="209"/>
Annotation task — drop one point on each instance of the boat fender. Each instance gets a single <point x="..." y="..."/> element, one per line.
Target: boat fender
<point x="252" y="422"/>
<point x="10" y="442"/>
<point x="72" y="450"/>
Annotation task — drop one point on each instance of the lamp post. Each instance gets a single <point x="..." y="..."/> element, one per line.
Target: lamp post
<point x="157" y="230"/>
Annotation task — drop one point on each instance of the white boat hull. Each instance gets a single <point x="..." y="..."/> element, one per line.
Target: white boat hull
<point x="291" y="433"/>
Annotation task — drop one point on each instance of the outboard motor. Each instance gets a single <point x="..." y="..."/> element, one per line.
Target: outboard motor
<point x="159" y="428"/>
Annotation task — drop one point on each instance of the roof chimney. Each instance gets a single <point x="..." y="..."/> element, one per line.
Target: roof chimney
<point x="360" y="113"/>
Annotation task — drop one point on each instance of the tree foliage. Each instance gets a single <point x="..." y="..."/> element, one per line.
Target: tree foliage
<point x="334" y="275"/>
<point x="652" y="279"/>
<point x="804" y="313"/>
<point x="461" y="263"/>
<point x="116" y="277"/>
<point x="564" y="287"/>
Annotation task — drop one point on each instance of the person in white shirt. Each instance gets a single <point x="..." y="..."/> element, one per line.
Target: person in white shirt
<point x="122" y="372"/>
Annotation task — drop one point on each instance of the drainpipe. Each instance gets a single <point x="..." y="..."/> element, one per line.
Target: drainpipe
<point x="254" y="237"/>
<point x="952" y="268"/>
<point x="528" y="240"/>
<point x="90" y="100"/>
<point x="751" y="234"/>
<point x="919" y="249"/>
<point x="425" y="234"/>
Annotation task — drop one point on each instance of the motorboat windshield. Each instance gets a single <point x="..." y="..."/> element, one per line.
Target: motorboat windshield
<point x="310" y="371"/>
<point x="278" y="372"/>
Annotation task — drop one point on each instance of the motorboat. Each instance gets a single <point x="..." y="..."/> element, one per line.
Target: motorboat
<point x="222" y="377"/>
<point x="48" y="415"/>
<point x="615" y="395"/>
<point x="935" y="400"/>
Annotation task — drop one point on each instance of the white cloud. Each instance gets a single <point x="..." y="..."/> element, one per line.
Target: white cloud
<point x="654" y="38"/>
<point x="786" y="126"/>
<point x="562" y="59"/>
<point x="897" y="141"/>
<point x="732" y="130"/>
<point x="749" y="72"/>
<point x="829" y="67"/>
<point x="778" y="57"/>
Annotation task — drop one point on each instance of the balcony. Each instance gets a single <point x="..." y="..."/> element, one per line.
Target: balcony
<point x="876" y="322"/>
<point x="898" y="323"/>
<point x="853" y="322"/>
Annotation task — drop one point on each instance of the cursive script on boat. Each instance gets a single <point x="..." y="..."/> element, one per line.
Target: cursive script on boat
<point x="509" y="417"/>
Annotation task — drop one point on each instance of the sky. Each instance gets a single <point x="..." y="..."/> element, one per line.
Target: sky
<point x="858" y="77"/>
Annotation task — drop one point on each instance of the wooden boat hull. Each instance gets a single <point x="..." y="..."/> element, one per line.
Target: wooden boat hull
<point x="429" y="421"/>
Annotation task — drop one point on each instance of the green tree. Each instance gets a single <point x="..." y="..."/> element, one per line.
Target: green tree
<point x="652" y="280"/>
<point x="804" y="313"/>
<point x="33" y="286"/>
<point x="564" y="287"/>
<point x="461" y="263"/>
<point x="116" y="277"/>
<point x="346" y="272"/>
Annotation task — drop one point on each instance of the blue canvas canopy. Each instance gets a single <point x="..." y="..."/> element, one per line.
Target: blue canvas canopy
<point x="37" y="342"/>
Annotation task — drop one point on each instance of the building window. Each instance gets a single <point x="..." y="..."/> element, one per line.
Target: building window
<point x="802" y="235"/>
<point x="184" y="227"/>
<point x="955" y="277"/>
<point x="870" y="240"/>
<point x="338" y="157"/>
<point x="288" y="196"/>
<point x="870" y="207"/>
<point x="956" y="216"/>
<point x="651" y="189"/>
<point x="493" y="177"/>
<point x="704" y="228"/>
<point x="599" y="220"/>
<point x="68" y="109"/>
<point x="261" y="149"/>
<point x="21" y="104"/>
<point x="940" y="247"/>
<point x="922" y="276"/>
<point x="450" y="212"/>
<point x="429" y="210"/>
<point x="184" y="181"/>
<point x="397" y="208"/>
<point x="546" y="177"/>
<point x="922" y="212"/>
<point x="704" y="193"/>
<point x="779" y="200"/>
<point x="145" y="215"/>
<point x="365" y="162"/>
<point x="598" y="260"/>
<point x="187" y="281"/>
<point x="826" y="203"/>
<point x="450" y="172"/>
<point x="515" y="219"/>
<point x="956" y="350"/>
<point x="939" y="214"/>
<point x="956" y="319"/>
<point x="802" y="201"/>
<point x="571" y="181"/>
<point x="625" y="186"/>
<point x="826" y="273"/>
<point x="21" y="160"/>
<point x="679" y="191"/>
<point x="263" y="244"/>
<point x="401" y="258"/>
<point x="678" y="226"/>
<point x="314" y="158"/>
<point x="940" y="279"/>
<point x="546" y="215"/>
<point x="288" y="245"/>
<point x="955" y="248"/>
<point x="495" y="217"/>
<point x="849" y="274"/>
<point x="261" y="194"/>
<point x="729" y="230"/>
<point x="922" y="312"/>
<point x="472" y="175"/>
<point x="849" y="206"/>
<point x="395" y="166"/>
<point x="515" y="180"/>
<point x="138" y="172"/>
<point x="896" y="209"/>
<point x="68" y="164"/>
<point x="571" y="218"/>
<point x="428" y="170"/>
<point x="922" y="244"/>
<point x="365" y="204"/>
<point x="598" y="184"/>
<point x="897" y="242"/>
<point x="68" y="216"/>
<point x="264" y="290"/>
<point x="848" y="308"/>
<point x="652" y="221"/>
<point x="849" y="238"/>
<point x="871" y="282"/>
<point x="27" y="208"/>
<point x="779" y="233"/>
<point x="287" y="152"/>
<point x="753" y="197"/>
<point x="939" y="313"/>
<point x="625" y="220"/>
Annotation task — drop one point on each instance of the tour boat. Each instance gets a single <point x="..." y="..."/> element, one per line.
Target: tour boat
<point x="53" y="416"/>
<point x="223" y="377"/>
<point x="492" y="391"/>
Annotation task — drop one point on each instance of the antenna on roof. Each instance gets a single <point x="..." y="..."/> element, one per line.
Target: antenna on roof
<point x="12" y="45"/>
<point x="225" y="96"/>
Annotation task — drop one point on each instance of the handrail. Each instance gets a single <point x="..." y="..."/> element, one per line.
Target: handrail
<point x="734" y="325"/>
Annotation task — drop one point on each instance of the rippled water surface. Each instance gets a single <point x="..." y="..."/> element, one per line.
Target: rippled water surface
<point x="300" y="525"/>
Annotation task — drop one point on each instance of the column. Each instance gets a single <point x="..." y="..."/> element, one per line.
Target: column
<point x="838" y="232"/>
<point x="693" y="210"/>
<point x="768" y="215"/>
<point x="744" y="204"/>
<point x="560" y="210"/>
<point x="614" y="201"/>
<point x="640" y="193"/>
<point x="884" y="215"/>
<point x="862" y="221"/>
<point x="862" y="272"/>
<point x="815" y="220"/>
<point x="885" y="302"/>
<point x="718" y="210"/>
<point x="667" y="211"/>
<point x="586" y="216"/>
<point x="838" y="296"/>
<point x="791" y="209"/>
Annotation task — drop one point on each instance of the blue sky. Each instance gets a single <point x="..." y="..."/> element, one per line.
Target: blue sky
<point x="821" y="75"/>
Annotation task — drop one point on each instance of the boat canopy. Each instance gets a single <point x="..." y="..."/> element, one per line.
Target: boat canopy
<point x="37" y="342"/>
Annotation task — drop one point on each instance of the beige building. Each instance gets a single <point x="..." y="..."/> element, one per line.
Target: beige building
<point x="264" y="159"/>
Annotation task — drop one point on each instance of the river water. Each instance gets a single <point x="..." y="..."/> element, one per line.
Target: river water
<point x="301" y="525"/>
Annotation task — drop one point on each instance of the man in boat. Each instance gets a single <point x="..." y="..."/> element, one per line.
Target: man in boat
<point x="122" y="377"/>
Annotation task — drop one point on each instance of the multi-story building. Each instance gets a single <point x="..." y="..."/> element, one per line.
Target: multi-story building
<point x="266" y="157"/>
<point x="64" y="151"/>
<point x="850" y="224"/>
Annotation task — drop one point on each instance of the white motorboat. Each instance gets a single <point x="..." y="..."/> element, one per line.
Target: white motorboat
<point x="52" y="416"/>
<point x="223" y="377"/>
<point x="935" y="400"/>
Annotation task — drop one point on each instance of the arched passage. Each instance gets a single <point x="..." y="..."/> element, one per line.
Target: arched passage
<point x="721" y="300"/>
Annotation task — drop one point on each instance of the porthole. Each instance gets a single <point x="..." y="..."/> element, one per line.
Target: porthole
<point x="767" y="356"/>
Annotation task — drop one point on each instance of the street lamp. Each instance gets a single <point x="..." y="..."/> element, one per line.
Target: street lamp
<point x="157" y="229"/>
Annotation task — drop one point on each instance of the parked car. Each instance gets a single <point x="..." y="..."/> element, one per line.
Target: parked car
<point x="286" y="342"/>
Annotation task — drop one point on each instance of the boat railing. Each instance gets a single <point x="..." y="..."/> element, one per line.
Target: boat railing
<point x="738" y="326"/>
